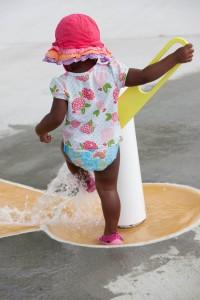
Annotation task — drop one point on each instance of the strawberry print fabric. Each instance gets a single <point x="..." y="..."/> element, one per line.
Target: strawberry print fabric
<point x="92" y="160"/>
<point x="92" y="122"/>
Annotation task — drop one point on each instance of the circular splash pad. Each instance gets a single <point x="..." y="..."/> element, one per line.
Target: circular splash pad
<point x="171" y="210"/>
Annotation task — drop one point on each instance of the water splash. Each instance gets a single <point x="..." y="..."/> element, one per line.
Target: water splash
<point x="65" y="200"/>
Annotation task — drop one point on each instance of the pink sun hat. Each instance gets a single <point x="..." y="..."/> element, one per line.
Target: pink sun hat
<point x="77" y="38"/>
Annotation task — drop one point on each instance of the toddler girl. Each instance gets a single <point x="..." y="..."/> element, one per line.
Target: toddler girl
<point x="86" y="96"/>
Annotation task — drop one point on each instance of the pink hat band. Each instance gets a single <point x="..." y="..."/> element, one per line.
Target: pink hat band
<point x="77" y="38"/>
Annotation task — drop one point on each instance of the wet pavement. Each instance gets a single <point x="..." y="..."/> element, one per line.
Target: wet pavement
<point x="33" y="266"/>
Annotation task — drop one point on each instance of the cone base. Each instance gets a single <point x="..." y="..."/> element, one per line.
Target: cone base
<point x="131" y="225"/>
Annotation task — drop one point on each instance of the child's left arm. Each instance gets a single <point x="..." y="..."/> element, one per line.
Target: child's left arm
<point x="52" y="120"/>
<point x="156" y="70"/>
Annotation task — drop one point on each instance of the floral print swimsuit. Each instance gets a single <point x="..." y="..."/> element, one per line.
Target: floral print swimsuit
<point x="91" y="133"/>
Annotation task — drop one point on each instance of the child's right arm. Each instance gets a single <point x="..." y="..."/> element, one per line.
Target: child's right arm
<point x="156" y="70"/>
<point x="52" y="120"/>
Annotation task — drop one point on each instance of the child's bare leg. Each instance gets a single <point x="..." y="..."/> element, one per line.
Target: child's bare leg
<point x="106" y="185"/>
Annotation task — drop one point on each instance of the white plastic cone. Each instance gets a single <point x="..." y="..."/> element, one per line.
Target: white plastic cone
<point x="129" y="182"/>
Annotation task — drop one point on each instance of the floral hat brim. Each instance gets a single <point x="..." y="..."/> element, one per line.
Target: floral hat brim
<point x="60" y="56"/>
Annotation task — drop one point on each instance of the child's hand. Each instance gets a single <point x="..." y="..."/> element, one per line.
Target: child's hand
<point x="45" y="138"/>
<point x="184" y="54"/>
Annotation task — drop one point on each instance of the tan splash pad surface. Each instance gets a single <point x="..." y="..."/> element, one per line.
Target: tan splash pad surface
<point x="17" y="196"/>
<point x="171" y="210"/>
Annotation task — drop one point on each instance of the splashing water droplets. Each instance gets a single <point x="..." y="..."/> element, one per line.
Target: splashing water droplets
<point x="65" y="200"/>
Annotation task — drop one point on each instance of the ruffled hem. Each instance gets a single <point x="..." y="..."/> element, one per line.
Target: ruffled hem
<point x="68" y="56"/>
<point x="103" y="59"/>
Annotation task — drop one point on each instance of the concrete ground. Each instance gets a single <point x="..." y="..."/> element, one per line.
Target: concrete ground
<point x="33" y="266"/>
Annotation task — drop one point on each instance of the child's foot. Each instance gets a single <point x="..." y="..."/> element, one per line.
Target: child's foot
<point x="90" y="184"/>
<point x="111" y="239"/>
<point x="87" y="181"/>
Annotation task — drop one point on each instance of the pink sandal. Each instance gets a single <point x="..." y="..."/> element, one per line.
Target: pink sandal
<point x="111" y="239"/>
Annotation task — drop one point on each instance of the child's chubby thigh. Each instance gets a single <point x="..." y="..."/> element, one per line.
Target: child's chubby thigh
<point x="90" y="160"/>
